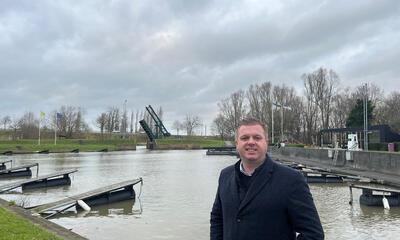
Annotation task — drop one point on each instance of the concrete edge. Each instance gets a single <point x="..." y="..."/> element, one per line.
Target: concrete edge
<point x="41" y="222"/>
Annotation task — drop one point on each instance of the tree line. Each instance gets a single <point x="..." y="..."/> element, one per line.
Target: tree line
<point x="69" y="122"/>
<point x="322" y="104"/>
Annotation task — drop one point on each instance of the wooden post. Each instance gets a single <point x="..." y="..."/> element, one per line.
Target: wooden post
<point x="351" y="195"/>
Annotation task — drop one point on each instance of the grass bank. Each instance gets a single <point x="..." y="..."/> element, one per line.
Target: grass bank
<point x="189" y="142"/>
<point x="18" y="228"/>
<point x="66" y="145"/>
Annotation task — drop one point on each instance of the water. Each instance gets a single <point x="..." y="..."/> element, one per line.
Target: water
<point x="177" y="195"/>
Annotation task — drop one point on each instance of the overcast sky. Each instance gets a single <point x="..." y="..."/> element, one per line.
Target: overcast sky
<point x="185" y="55"/>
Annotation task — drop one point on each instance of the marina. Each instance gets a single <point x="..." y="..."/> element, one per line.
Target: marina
<point x="176" y="199"/>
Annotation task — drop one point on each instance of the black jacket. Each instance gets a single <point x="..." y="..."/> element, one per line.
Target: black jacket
<point x="277" y="204"/>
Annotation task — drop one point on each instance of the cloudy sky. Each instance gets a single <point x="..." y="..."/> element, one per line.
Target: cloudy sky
<point x="185" y="55"/>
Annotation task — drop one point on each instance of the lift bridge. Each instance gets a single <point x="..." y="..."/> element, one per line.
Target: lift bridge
<point x="161" y="131"/>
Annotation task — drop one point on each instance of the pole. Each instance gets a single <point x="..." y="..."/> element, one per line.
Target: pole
<point x="282" y="123"/>
<point x="39" y="130"/>
<point x="366" y="116"/>
<point x="351" y="195"/>
<point x="272" y="123"/>
<point x="365" y="103"/>
<point x="125" y="121"/>
<point x="55" y="130"/>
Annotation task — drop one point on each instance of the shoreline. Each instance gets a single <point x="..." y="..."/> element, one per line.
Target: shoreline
<point x="40" y="222"/>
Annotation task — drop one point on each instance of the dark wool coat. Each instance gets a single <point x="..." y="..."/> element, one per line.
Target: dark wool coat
<point x="277" y="204"/>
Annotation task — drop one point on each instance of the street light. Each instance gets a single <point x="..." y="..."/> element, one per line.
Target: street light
<point x="272" y="115"/>
<point x="365" y="101"/>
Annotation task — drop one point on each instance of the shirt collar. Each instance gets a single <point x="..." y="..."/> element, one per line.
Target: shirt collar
<point x="242" y="170"/>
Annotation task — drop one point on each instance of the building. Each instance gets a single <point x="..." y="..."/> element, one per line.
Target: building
<point x="376" y="134"/>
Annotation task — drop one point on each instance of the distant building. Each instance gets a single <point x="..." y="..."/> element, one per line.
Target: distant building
<point x="376" y="134"/>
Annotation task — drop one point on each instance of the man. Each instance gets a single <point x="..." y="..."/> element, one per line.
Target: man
<point x="259" y="199"/>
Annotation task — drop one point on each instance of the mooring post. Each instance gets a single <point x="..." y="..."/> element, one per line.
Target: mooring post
<point x="351" y="195"/>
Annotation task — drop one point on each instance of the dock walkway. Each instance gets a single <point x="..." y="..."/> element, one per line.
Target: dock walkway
<point x="3" y="164"/>
<point x="13" y="185"/>
<point x="71" y="201"/>
<point x="22" y="170"/>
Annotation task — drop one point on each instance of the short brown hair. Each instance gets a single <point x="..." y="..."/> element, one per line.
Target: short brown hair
<point x="248" y="121"/>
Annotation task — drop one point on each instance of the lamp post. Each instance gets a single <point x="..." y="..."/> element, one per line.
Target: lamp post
<point x="365" y="101"/>
<point x="272" y="121"/>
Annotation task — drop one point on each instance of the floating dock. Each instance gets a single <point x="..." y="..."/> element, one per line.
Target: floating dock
<point x="50" y="180"/>
<point x="230" y="151"/>
<point x="320" y="175"/>
<point x="108" y="194"/>
<point x="19" y="171"/>
<point x="373" y="196"/>
<point x="3" y="164"/>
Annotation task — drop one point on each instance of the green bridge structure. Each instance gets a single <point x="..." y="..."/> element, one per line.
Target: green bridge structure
<point x="160" y="129"/>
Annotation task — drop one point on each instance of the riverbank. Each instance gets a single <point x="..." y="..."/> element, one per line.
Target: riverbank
<point x="187" y="143"/>
<point x="65" y="145"/>
<point x="18" y="223"/>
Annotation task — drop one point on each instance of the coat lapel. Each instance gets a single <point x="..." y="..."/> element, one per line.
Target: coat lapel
<point x="258" y="183"/>
<point x="233" y="187"/>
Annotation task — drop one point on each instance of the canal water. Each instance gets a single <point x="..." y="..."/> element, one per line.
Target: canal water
<point x="176" y="197"/>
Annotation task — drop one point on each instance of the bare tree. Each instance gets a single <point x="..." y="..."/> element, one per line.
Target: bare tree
<point x="322" y="86"/>
<point x="131" y="123"/>
<point x="220" y="127"/>
<point x="342" y="105"/>
<point x="232" y="109"/>
<point x="71" y="121"/>
<point x="259" y="99"/>
<point x="191" y="123"/>
<point x="288" y="112"/>
<point x="375" y="94"/>
<point x="113" y="119"/>
<point x="310" y="111"/>
<point x="101" y="122"/>
<point x="29" y="124"/>
<point x="390" y="113"/>
<point x="6" y="120"/>
<point x="15" y="125"/>
<point x="137" y="121"/>
<point x="177" y="125"/>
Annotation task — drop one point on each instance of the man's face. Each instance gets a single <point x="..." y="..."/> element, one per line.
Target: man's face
<point x="251" y="143"/>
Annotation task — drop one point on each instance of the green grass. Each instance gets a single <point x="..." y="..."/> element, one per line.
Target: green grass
<point x="15" y="227"/>
<point x="66" y="145"/>
<point x="190" y="141"/>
